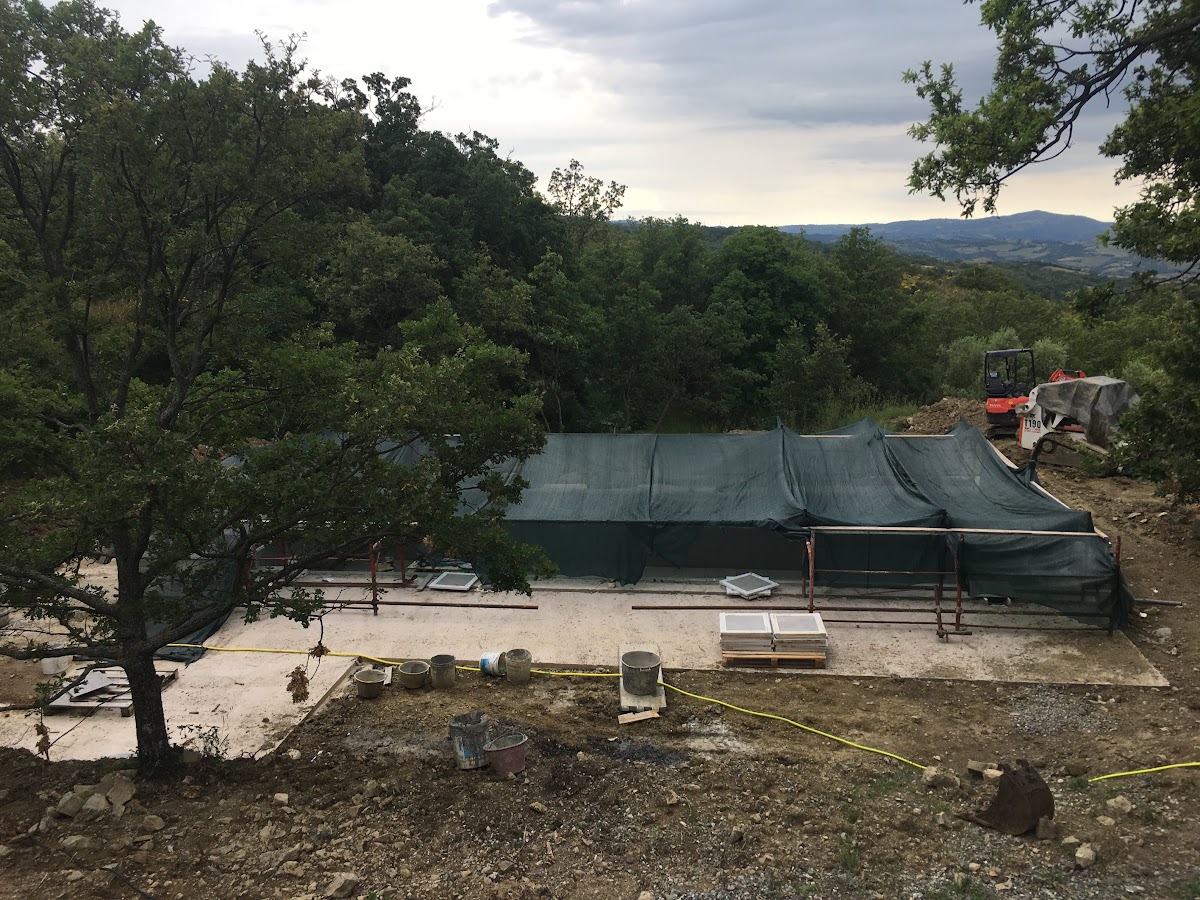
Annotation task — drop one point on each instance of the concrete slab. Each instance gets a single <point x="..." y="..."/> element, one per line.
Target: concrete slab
<point x="578" y="622"/>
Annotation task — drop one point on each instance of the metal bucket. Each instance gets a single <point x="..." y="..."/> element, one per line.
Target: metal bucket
<point x="517" y="665"/>
<point x="506" y="755"/>
<point x="413" y="674"/>
<point x="639" y="672"/>
<point x="469" y="735"/>
<point x="492" y="663"/>
<point x="441" y="671"/>
<point x="369" y="683"/>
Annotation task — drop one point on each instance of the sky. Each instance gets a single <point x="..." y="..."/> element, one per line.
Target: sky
<point x="726" y="112"/>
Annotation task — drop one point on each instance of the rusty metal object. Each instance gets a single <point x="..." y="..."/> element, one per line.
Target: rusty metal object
<point x="1022" y="799"/>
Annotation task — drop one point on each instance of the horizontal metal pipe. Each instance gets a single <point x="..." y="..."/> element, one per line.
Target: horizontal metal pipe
<point x="432" y="603"/>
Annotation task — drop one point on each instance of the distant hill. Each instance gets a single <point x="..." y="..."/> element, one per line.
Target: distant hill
<point x="1029" y="237"/>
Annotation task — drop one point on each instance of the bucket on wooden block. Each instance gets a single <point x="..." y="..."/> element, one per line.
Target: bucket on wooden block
<point x="517" y="665"/>
<point x="639" y="672"/>
<point x="506" y="755"/>
<point x="468" y="735"/>
<point x="441" y="671"/>
<point x="492" y="663"/>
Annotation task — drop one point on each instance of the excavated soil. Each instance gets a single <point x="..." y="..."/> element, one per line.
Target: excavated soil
<point x="706" y="802"/>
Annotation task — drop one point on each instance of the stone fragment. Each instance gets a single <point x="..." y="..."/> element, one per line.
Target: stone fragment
<point x="1069" y="840"/>
<point x="936" y="778"/>
<point x="1085" y="856"/>
<point x="645" y="895"/>
<point x="672" y="799"/>
<point x="343" y="885"/>
<point x="281" y="799"/>
<point x="371" y="790"/>
<point x="76" y="842"/>
<point x="1047" y="829"/>
<point x="992" y="774"/>
<point x="153" y="823"/>
<point x="293" y="754"/>
<point x="1120" y="805"/>
<point x="538" y="807"/>
<point x="1106" y="821"/>
<point x="978" y="767"/>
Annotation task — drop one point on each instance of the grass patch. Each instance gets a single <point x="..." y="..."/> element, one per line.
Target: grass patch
<point x="961" y="890"/>
<point x="1188" y="889"/>
<point x="849" y="860"/>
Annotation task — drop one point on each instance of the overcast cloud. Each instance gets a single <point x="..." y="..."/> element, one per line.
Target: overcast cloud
<point x="725" y="112"/>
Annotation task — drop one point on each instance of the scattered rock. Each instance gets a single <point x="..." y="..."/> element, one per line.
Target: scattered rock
<point x="1085" y="856"/>
<point x="1106" y="821"/>
<point x="581" y="756"/>
<point x="1120" y="805"/>
<point x="281" y="799"/>
<point x="1047" y="829"/>
<point x="4" y="851"/>
<point x="672" y="799"/>
<point x="370" y="792"/>
<point x="505" y="866"/>
<point x="153" y="823"/>
<point x="75" y="875"/>
<point x="293" y="755"/>
<point x="76" y="842"/>
<point x="343" y="885"/>
<point x="936" y="778"/>
<point x="943" y="820"/>
<point x="645" y="895"/>
<point x="1069" y="840"/>
<point x="992" y="774"/>
<point x="538" y="807"/>
<point x="738" y="834"/>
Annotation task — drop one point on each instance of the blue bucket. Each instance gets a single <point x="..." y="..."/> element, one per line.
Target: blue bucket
<point x="468" y="735"/>
<point x="492" y="663"/>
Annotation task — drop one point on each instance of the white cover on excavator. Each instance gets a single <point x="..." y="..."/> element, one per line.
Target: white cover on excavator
<point x="1096" y="403"/>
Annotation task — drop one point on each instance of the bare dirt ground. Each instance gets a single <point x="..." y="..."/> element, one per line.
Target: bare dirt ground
<point x="706" y="802"/>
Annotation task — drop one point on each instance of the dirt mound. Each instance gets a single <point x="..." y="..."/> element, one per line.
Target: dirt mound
<point x="940" y="417"/>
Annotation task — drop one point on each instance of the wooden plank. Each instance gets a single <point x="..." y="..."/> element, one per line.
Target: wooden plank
<point x="746" y="657"/>
<point x="626" y="718"/>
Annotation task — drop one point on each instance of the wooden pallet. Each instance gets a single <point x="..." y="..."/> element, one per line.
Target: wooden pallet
<point x="774" y="660"/>
<point x="115" y="696"/>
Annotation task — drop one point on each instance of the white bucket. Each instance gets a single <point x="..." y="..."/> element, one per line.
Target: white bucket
<point x="55" y="665"/>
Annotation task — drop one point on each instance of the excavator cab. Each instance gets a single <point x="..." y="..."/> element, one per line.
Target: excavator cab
<point x="1008" y="377"/>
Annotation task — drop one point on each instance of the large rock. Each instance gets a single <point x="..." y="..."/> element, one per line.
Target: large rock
<point x="121" y="791"/>
<point x="93" y="808"/>
<point x="1085" y="856"/>
<point x="70" y="805"/>
<point x="75" y="842"/>
<point x="1120" y="805"/>
<point x="343" y="885"/>
<point x="153" y="823"/>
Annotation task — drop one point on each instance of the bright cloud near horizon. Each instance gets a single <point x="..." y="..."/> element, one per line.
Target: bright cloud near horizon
<point x="727" y="112"/>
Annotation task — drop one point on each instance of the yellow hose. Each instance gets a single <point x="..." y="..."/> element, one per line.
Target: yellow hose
<point x="1186" y="765"/>
<point x="763" y="715"/>
<point x="749" y="712"/>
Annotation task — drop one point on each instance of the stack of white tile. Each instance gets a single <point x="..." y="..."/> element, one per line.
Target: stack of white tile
<point x="799" y="633"/>
<point x="746" y="632"/>
<point x="750" y="585"/>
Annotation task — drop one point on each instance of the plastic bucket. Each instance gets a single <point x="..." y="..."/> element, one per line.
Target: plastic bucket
<point x="507" y="754"/>
<point x="492" y="663"/>
<point x="517" y="664"/>
<point x="639" y="672"/>
<point x="469" y="735"/>
<point x="441" y="671"/>
<point x="55" y="665"/>
<point x="369" y="683"/>
<point x="414" y="673"/>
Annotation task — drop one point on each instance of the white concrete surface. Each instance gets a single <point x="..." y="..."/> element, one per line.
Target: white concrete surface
<point x="578" y="622"/>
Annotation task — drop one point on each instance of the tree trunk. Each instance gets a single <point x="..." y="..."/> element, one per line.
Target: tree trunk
<point x="155" y="756"/>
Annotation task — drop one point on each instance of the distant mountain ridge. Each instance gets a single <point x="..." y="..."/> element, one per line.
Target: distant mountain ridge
<point x="1027" y="226"/>
<point x="1069" y="242"/>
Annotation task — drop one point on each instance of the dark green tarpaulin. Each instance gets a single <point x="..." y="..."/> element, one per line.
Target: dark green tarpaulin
<point x="606" y="505"/>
